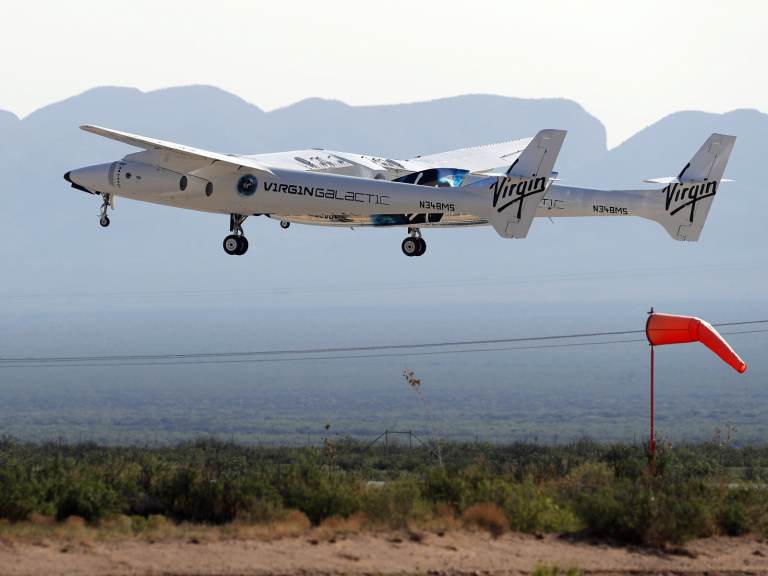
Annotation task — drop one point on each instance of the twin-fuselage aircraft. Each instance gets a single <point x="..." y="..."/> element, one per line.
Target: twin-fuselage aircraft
<point x="504" y="185"/>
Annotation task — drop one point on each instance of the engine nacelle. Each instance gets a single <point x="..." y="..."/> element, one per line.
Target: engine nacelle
<point x="194" y="186"/>
<point x="140" y="179"/>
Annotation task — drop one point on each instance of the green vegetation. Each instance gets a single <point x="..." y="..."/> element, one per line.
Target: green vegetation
<point x="605" y="490"/>
<point x="554" y="571"/>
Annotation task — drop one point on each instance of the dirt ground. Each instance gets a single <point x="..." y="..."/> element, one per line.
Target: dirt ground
<point x="453" y="553"/>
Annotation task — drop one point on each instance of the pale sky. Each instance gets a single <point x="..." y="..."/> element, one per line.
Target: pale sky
<point x="629" y="64"/>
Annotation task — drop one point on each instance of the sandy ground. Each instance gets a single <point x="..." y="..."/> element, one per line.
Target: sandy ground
<point x="364" y="554"/>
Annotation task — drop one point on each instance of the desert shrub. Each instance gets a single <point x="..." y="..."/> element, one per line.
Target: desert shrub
<point x="743" y="510"/>
<point x="441" y="486"/>
<point x="488" y="517"/>
<point x="319" y="493"/>
<point x="143" y="484"/>
<point x="204" y="494"/>
<point x="394" y="504"/>
<point x="480" y="487"/>
<point x="680" y="509"/>
<point x="89" y="497"/>
<point x="19" y="493"/>
<point x="646" y="510"/>
<point x="261" y="509"/>
<point x="528" y="505"/>
<point x="626" y="461"/>
<point x="530" y="509"/>
<point x="732" y="517"/>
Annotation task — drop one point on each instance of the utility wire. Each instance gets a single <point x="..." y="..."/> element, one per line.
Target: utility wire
<point x="177" y="359"/>
<point x="279" y="352"/>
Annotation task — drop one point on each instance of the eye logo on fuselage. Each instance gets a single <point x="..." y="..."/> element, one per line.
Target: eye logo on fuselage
<point x="246" y="185"/>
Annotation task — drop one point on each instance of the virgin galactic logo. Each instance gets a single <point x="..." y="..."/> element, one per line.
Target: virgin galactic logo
<point x="247" y="185"/>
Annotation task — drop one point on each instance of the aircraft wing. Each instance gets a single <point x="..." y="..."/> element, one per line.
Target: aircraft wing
<point x="173" y="156"/>
<point x="476" y="159"/>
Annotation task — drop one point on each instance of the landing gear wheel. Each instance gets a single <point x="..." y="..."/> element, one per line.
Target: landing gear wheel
<point x="410" y="246"/>
<point x="243" y="245"/>
<point x="232" y="245"/>
<point x="284" y="225"/>
<point x="236" y="244"/>
<point x="106" y="202"/>
<point x="422" y="247"/>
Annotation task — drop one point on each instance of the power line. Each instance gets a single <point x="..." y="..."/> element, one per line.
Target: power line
<point x="279" y="352"/>
<point x="178" y="360"/>
<point x="302" y="351"/>
<point x="379" y="287"/>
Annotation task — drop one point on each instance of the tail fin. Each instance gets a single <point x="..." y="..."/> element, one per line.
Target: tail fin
<point x="516" y="195"/>
<point x="688" y="197"/>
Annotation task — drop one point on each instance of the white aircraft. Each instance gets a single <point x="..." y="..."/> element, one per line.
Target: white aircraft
<point x="504" y="185"/>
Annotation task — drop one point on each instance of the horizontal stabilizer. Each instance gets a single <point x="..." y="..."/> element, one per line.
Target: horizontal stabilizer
<point x="674" y="180"/>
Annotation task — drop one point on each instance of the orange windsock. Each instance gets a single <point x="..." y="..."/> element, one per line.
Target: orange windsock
<point x="664" y="329"/>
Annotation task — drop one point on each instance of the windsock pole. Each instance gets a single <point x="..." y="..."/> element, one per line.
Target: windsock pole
<point x="652" y="441"/>
<point x="652" y="438"/>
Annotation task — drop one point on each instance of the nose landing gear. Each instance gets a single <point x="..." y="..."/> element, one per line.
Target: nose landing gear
<point x="414" y="244"/>
<point x="236" y="244"/>
<point x="103" y="218"/>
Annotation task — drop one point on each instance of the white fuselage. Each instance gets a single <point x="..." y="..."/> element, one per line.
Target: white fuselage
<point x="329" y="199"/>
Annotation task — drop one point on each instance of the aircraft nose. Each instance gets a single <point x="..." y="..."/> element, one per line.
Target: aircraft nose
<point x="92" y="179"/>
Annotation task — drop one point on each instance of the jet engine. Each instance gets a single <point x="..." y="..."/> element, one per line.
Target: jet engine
<point x="136" y="179"/>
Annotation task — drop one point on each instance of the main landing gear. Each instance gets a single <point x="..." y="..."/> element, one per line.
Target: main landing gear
<point x="103" y="218"/>
<point x="236" y="244"/>
<point x="414" y="245"/>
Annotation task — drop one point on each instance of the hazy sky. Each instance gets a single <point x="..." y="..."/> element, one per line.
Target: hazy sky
<point x="627" y="63"/>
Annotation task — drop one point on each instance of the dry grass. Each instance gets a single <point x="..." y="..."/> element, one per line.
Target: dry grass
<point x="73" y="531"/>
<point x="336" y="526"/>
<point x="40" y="529"/>
<point x="295" y="523"/>
<point x="488" y="517"/>
<point x="443" y="520"/>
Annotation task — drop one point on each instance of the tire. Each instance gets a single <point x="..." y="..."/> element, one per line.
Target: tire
<point x="231" y="245"/>
<point x="104" y="221"/>
<point x="285" y="225"/>
<point x="243" y="246"/>
<point x="410" y="246"/>
<point x="422" y="247"/>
